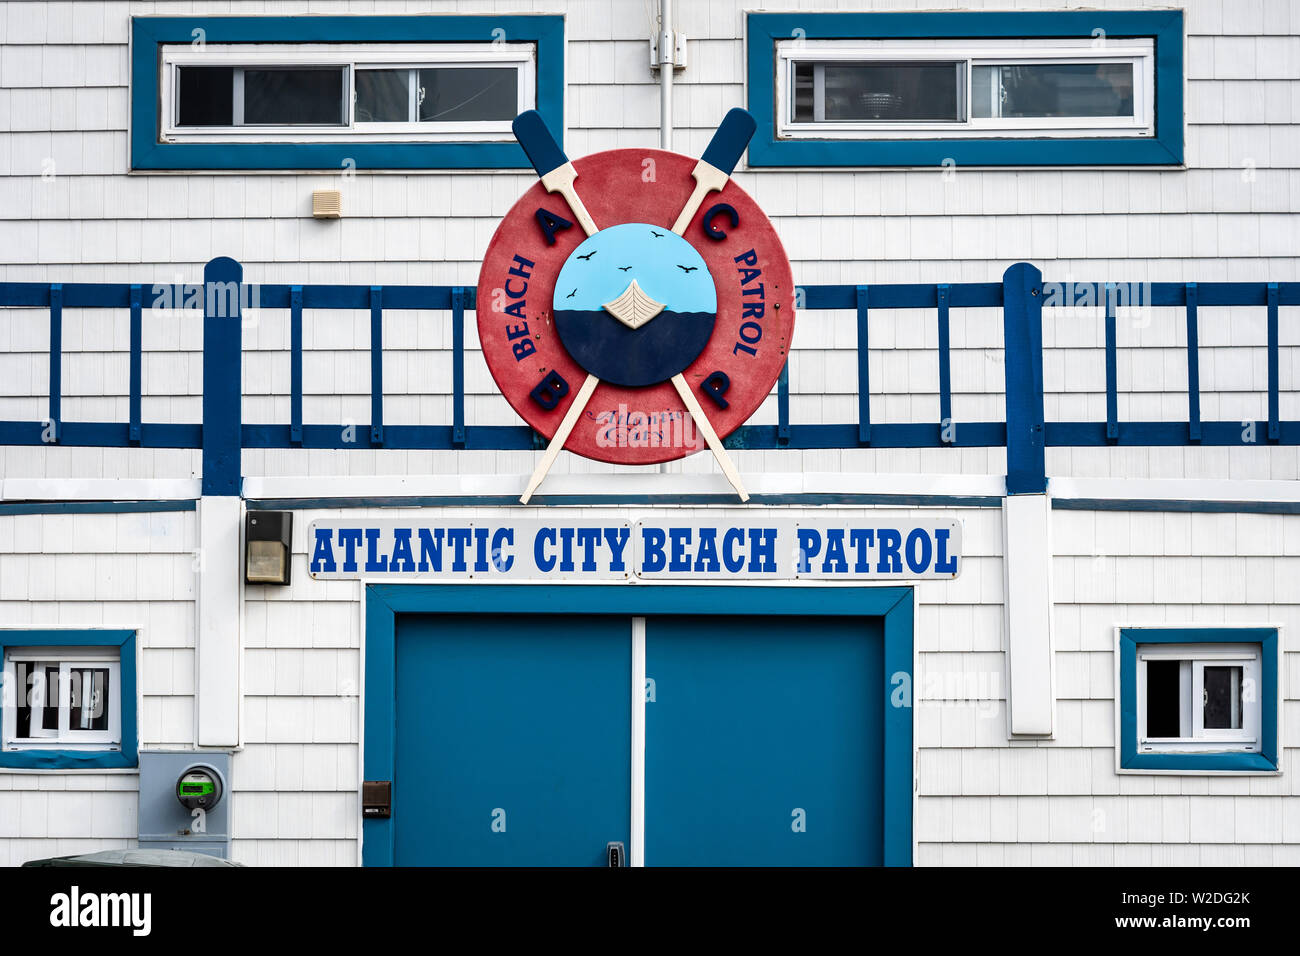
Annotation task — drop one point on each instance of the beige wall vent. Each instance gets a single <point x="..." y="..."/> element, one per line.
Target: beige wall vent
<point x="327" y="204"/>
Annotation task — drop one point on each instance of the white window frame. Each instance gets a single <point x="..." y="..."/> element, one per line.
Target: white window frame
<point x="64" y="737"/>
<point x="975" y="52"/>
<point x="1193" y="737"/>
<point x="522" y="56"/>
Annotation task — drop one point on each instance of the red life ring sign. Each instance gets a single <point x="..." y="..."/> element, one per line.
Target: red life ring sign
<point x="609" y="293"/>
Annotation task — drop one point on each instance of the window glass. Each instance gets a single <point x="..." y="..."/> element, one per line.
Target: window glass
<point x="878" y="92"/>
<point x="383" y="96"/>
<point x="466" y="94"/>
<point x="1046" y="90"/>
<point x="205" y="96"/>
<point x="306" y="96"/>
<point x="88" y="708"/>
<point x="1222" y="698"/>
<point x="1163" y="699"/>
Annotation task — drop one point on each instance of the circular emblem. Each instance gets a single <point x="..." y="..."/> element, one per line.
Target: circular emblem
<point x="635" y="305"/>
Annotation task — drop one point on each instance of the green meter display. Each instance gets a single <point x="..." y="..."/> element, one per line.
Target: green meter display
<point x="199" y="788"/>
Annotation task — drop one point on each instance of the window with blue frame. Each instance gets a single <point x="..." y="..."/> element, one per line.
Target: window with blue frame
<point x="69" y="699"/>
<point x="340" y="93"/>
<point x="966" y="89"/>
<point x="1195" y="699"/>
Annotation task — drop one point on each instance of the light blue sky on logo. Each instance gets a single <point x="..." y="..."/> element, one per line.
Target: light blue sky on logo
<point x="665" y="266"/>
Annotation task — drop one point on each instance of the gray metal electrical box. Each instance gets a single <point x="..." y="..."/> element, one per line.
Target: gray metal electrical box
<point x="167" y="776"/>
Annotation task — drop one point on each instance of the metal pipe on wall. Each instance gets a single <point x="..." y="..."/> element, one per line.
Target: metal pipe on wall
<point x="667" y="50"/>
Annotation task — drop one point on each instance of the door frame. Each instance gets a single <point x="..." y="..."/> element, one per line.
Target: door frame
<point x="894" y="605"/>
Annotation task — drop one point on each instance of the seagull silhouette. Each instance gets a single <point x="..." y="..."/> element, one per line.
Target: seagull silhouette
<point x="590" y="254"/>
<point x="657" y="235"/>
<point x="688" y="269"/>
<point x="624" y="268"/>
<point x="572" y="294"/>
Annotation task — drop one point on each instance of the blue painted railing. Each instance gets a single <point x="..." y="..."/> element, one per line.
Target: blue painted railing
<point x="1020" y="295"/>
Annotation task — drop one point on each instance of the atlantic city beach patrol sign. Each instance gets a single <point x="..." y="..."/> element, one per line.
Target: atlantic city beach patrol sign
<point x="634" y="307"/>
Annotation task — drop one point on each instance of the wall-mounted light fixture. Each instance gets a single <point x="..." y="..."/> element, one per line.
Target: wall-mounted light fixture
<point x="266" y="546"/>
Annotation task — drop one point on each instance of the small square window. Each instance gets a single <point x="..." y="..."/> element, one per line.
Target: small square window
<point x="1197" y="700"/>
<point x="64" y="698"/>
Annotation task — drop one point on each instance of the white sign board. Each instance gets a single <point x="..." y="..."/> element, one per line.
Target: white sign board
<point x="876" y="548"/>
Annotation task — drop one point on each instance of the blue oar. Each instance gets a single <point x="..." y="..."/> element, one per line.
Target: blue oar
<point x="553" y="167"/>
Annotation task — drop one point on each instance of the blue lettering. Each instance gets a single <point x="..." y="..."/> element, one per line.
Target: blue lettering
<point x="500" y="560"/>
<point x="544" y="561"/>
<point x="861" y="539"/>
<point x="322" y="558"/>
<point x="480" y="559"/>
<point x="707" y="559"/>
<point x="566" y="551"/>
<point x="810" y="543"/>
<point x="402" y="558"/>
<point x="459" y="538"/>
<point x="431" y="549"/>
<point x="350" y="538"/>
<point x="732" y="561"/>
<point x="652" y="549"/>
<point x="890" y="542"/>
<point x="835" y="561"/>
<point x="374" y="563"/>
<point x="943" y="564"/>
<point x="681" y="538"/>
<point x="762" y="545"/>
<point x="616" y="538"/>
<point x="588" y="538"/>
<point x="918" y="551"/>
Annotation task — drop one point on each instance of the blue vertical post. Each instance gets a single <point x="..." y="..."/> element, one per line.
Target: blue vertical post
<point x="376" y="365"/>
<point x="1022" y="336"/>
<point x="864" y="378"/>
<point x="1274" y="427"/>
<point x="56" y="360"/>
<point x="1193" y="366"/>
<point x="137" y="360"/>
<point x="1112" y="374"/>
<point x="222" y="385"/>
<point x="458" y="297"/>
<point x="945" y="367"/>
<point x="295" y="365"/>
<point x="783" y="404"/>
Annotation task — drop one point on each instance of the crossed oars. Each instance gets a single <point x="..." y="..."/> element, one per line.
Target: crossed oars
<point x="557" y="174"/>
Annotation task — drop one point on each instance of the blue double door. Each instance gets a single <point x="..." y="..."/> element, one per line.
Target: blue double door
<point x="762" y="740"/>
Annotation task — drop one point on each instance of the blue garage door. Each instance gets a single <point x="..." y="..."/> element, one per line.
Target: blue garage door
<point x="764" y="741"/>
<point x="512" y="739"/>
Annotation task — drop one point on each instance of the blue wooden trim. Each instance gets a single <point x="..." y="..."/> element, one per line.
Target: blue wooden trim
<point x="56" y="360"/>
<point x="458" y="297"/>
<point x="763" y="30"/>
<point x="104" y="435"/>
<point x="1161" y="504"/>
<point x="1193" y="368"/>
<point x="137" y="360"/>
<point x="1140" y="434"/>
<point x="1274" y="428"/>
<point x="295" y="365"/>
<point x="1112" y="375"/>
<point x="864" y="370"/>
<point x="376" y="365"/>
<point x="1022" y="331"/>
<point x="783" y="405"/>
<point x="222" y="376"/>
<point x="1267" y="757"/>
<point x="94" y="507"/>
<point x="945" y="364"/>
<point x="810" y="499"/>
<point x="894" y="604"/>
<point x="128" y="755"/>
<point x="148" y="33"/>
